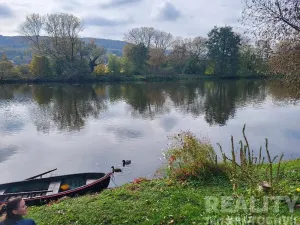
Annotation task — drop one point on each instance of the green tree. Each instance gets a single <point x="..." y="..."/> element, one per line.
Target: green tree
<point x="6" y="67"/>
<point x="93" y="54"/>
<point x="76" y="68"/>
<point x="138" y="55"/>
<point x="223" y="47"/>
<point x="114" y="64"/>
<point x="24" y="70"/>
<point x="251" y="62"/>
<point x="127" y="66"/>
<point x="195" y="65"/>
<point x="210" y="69"/>
<point x="40" y="66"/>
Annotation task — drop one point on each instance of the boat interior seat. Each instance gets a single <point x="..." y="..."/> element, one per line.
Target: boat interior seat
<point x="54" y="187"/>
<point x="89" y="181"/>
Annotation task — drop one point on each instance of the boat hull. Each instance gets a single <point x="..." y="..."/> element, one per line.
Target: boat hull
<point x="97" y="185"/>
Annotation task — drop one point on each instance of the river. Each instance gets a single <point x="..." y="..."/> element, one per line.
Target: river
<point x="90" y="127"/>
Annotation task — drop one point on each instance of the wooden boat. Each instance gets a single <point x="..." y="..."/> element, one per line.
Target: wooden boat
<point x="40" y="191"/>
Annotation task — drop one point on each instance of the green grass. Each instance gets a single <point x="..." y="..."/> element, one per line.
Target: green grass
<point x="159" y="201"/>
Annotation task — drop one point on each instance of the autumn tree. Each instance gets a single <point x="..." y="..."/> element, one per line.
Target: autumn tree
<point x="161" y="40"/>
<point x="100" y="70"/>
<point x="189" y="55"/>
<point x="142" y="35"/>
<point x="32" y="28"/>
<point x="286" y="61"/>
<point x="63" y="35"/>
<point x="286" y="51"/>
<point x="279" y="21"/>
<point x="179" y="56"/>
<point x="275" y="19"/>
<point x="223" y="47"/>
<point x="157" y="58"/>
<point x="150" y="37"/>
<point x="156" y="42"/>
<point x="60" y="43"/>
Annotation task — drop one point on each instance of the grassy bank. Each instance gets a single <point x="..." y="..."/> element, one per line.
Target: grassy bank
<point x="193" y="173"/>
<point x="113" y="79"/>
<point x="159" y="201"/>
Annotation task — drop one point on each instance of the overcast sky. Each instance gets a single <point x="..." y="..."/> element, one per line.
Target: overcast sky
<point x="112" y="18"/>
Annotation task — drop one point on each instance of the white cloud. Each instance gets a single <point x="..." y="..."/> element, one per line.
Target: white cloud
<point x="5" y="11"/>
<point x="118" y="3"/>
<point x="168" y="12"/>
<point x="181" y="18"/>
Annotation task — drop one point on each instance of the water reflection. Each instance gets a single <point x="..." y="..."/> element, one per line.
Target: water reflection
<point x="283" y="93"/>
<point x="73" y="127"/>
<point x="125" y="133"/>
<point x="16" y="92"/>
<point x="146" y="100"/>
<point x="6" y="92"/>
<point x="67" y="107"/>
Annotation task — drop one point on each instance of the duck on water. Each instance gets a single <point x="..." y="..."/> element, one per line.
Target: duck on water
<point x="126" y="162"/>
<point x="116" y="170"/>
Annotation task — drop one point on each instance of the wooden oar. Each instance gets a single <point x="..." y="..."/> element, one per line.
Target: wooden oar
<point x="25" y="193"/>
<point x="40" y="175"/>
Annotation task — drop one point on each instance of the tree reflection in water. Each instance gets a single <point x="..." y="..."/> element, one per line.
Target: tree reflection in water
<point x="68" y="107"/>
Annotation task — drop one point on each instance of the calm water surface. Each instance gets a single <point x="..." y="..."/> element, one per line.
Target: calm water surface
<point x="87" y="128"/>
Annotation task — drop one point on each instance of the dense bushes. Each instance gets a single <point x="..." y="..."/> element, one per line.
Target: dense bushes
<point x="190" y="158"/>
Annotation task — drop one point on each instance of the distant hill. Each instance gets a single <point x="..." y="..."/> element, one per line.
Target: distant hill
<point x="16" y="46"/>
<point x="13" y="42"/>
<point x="110" y="45"/>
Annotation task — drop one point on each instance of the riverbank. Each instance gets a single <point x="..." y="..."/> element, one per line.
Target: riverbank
<point x="165" y="201"/>
<point x="115" y="79"/>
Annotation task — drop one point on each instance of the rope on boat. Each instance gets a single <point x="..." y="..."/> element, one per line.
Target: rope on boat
<point x="113" y="180"/>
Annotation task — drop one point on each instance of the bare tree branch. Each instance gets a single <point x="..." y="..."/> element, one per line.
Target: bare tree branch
<point x="31" y="28"/>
